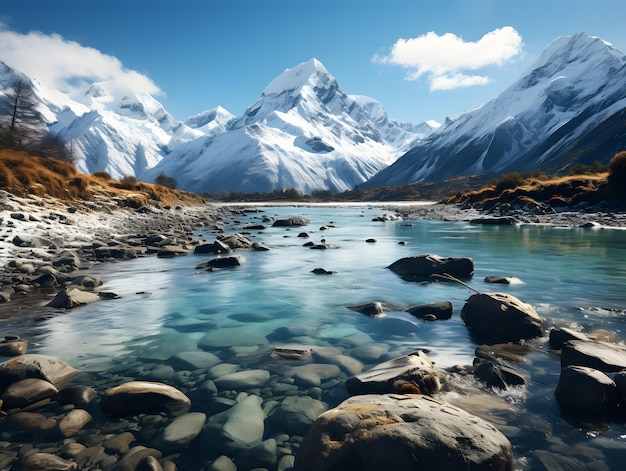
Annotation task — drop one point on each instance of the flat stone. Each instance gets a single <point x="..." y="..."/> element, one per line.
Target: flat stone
<point x="415" y="432"/>
<point x="222" y="463"/>
<point x="246" y="379"/>
<point x="429" y="265"/>
<point x="131" y="460"/>
<point x="558" y="336"/>
<point x="144" y="396"/>
<point x="194" y="360"/>
<point x="601" y="356"/>
<point x="27" y="391"/>
<point x="262" y="456"/>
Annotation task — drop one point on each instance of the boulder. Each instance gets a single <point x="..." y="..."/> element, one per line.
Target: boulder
<point x="374" y="309"/>
<point x="212" y="247"/>
<point x="560" y="335"/>
<point x="441" y="310"/>
<point x="495" y="221"/>
<point x="291" y="221"/>
<point x="427" y="266"/>
<point x="242" y="380"/>
<point x="496" y="375"/>
<point x="501" y="317"/>
<point x="322" y="271"/>
<point x="262" y="456"/>
<point x="38" y="366"/>
<point x="72" y="297"/>
<point x="503" y="280"/>
<point x="410" y="373"/>
<point x="602" y="356"/>
<point x="584" y="388"/>
<point x="116" y="252"/>
<point x="26" y="392"/>
<point x="235" y="241"/>
<point x="144" y="396"/>
<point x="401" y="432"/>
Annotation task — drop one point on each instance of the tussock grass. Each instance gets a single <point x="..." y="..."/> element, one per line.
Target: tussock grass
<point x="23" y="174"/>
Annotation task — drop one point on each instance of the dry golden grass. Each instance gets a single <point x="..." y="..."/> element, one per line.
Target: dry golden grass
<point x="569" y="188"/>
<point x="23" y="174"/>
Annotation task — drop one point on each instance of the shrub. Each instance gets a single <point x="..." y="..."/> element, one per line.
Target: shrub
<point x="102" y="175"/>
<point x="129" y="182"/>
<point x="508" y="181"/>
<point x="166" y="181"/>
<point x="617" y="168"/>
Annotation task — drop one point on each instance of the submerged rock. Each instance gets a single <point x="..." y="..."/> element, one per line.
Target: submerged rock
<point x="415" y="432"/>
<point x="440" y="310"/>
<point x="428" y="266"/>
<point x="144" y="396"/>
<point x="221" y="262"/>
<point x="501" y="317"/>
<point x="374" y="309"/>
<point x="44" y="461"/>
<point x="12" y="345"/>
<point x="27" y="391"/>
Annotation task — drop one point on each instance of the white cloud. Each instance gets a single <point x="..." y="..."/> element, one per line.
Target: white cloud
<point x="444" y="58"/>
<point x="64" y="65"/>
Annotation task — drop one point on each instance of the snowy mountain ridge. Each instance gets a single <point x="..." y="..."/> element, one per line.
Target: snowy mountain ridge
<point x="574" y="86"/>
<point x="303" y="133"/>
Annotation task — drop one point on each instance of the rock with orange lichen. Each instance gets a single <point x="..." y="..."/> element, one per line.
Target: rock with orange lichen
<point x="401" y="432"/>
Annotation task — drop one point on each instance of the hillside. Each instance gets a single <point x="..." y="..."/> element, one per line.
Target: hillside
<point x="22" y="174"/>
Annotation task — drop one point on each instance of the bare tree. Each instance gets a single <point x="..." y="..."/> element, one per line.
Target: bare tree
<point x="21" y="124"/>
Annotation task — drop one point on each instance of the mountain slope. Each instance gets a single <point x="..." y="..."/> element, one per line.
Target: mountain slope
<point x="303" y="132"/>
<point x="546" y="120"/>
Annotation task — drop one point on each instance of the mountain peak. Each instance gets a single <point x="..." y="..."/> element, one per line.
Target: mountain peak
<point x="306" y="73"/>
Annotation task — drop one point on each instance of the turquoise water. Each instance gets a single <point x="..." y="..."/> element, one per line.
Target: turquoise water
<point x="573" y="278"/>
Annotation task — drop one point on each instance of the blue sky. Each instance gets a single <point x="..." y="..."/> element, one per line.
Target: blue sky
<point x="421" y="60"/>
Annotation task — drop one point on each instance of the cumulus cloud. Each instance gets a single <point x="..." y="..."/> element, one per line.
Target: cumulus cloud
<point x="66" y="65"/>
<point x="446" y="60"/>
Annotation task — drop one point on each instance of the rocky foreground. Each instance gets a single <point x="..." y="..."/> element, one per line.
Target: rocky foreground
<point x="392" y="416"/>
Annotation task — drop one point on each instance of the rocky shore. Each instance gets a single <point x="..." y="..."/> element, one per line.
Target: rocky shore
<point x="196" y="410"/>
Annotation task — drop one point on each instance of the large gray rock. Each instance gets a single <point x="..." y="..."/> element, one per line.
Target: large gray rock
<point x="501" y="317"/>
<point x="373" y="309"/>
<point x="73" y="297"/>
<point x="38" y="366"/>
<point x="194" y="360"/>
<point x="144" y="396"/>
<point x="602" y="356"/>
<point x="427" y="266"/>
<point x="560" y="335"/>
<point x="584" y="388"/>
<point x="401" y="432"/>
<point x="73" y="422"/>
<point x="220" y="263"/>
<point x="409" y="373"/>
<point x="12" y="345"/>
<point x="237" y="429"/>
<point x="235" y="241"/>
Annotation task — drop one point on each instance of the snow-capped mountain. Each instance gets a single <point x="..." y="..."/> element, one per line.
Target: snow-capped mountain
<point x="563" y="110"/>
<point x="303" y="132"/>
